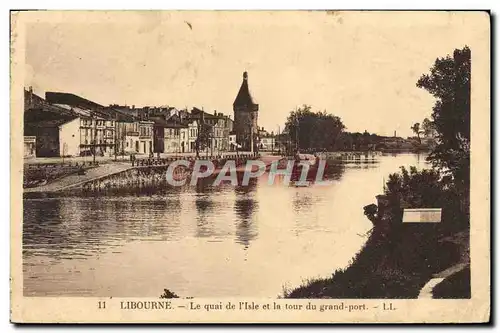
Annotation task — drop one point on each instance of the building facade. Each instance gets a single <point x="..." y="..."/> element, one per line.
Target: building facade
<point x="96" y="134"/>
<point x="216" y="126"/>
<point x="232" y="141"/>
<point x="192" y="131"/>
<point x="29" y="146"/>
<point x="146" y="137"/>
<point x="69" y="138"/>
<point x="64" y="124"/>
<point x="267" y="143"/>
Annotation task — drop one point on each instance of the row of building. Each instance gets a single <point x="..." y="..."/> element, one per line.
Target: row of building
<point x="64" y="124"/>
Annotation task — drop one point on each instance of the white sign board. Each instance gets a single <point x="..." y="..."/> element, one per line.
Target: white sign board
<point x="422" y="215"/>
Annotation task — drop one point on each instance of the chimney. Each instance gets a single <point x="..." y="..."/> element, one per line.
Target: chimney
<point x="215" y="112"/>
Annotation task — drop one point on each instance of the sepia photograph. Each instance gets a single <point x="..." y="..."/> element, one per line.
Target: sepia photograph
<point x="265" y="165"/>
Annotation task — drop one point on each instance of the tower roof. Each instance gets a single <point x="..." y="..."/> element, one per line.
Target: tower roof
<point x="244" y="98"/>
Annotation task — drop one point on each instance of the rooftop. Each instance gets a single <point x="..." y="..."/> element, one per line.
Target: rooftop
<point x="244" y="98"/>
<point x="169" y="123"/>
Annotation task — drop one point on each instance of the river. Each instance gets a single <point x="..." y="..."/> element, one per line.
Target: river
<point x="201" y="241"/>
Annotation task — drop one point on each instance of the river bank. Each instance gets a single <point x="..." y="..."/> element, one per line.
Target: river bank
<point x="398" y="260"/>
<point x="396" y="264"/>
<point x="75" y="179"/>
<point x="117" y="174"/>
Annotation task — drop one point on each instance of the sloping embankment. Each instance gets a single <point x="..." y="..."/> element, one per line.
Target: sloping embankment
<point x="395" y="262"/>
<point x="75" y="180"/>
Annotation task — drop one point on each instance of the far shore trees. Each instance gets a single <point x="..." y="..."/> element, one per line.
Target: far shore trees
<point x="313" y="130"/>
<point x="416" y="129"/>
<point x="320" y="131"/>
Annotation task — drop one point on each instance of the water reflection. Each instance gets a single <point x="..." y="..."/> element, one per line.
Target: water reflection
<point x="302" y="200"/>
<point x="80" y="225"/>
<point x="204" y="209"/>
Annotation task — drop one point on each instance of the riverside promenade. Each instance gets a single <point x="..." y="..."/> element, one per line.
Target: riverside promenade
<point x="108" y="167"/>
<point x="74" y="180"/>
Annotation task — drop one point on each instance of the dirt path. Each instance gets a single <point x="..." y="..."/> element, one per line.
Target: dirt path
<point x="426" y="291"/>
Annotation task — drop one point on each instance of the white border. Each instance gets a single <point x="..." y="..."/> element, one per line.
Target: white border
<point x="185" y="4"/>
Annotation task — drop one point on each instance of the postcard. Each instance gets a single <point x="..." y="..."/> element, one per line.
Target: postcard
<point x="250" y="167"/>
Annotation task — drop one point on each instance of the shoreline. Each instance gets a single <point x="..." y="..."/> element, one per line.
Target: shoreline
<point x="110" y="169"/>
<point x="397" y="262"/>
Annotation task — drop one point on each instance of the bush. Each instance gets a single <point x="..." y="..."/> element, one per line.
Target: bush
<point x="168" y="294"/>
<point x="427" y="189"/>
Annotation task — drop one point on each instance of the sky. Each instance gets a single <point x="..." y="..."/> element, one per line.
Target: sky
<point x="360" y="66"/>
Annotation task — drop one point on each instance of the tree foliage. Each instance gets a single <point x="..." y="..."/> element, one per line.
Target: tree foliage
<point x="415" y="189"/>
<point x="449" y="82"/>
<point x="428" y="129"/>
<point x="427" y="189"/>
<point x="416" y="129"/>
<point x="313" y="130"/>
<point x="203" y="138"/>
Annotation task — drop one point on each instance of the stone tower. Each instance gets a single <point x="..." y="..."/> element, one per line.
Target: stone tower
<point x="246" y="113"/>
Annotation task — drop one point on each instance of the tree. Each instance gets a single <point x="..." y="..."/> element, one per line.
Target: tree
<point x="202" y="138"/>
<point x="313" y="130"/>
<point x="449" y="82"/>
<point x="428" y="128"/>
<point x="416" y="129"/>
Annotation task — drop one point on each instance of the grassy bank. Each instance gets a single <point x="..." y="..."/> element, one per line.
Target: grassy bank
<point x="399" y="258"/>
<point x="393" y="263"/>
